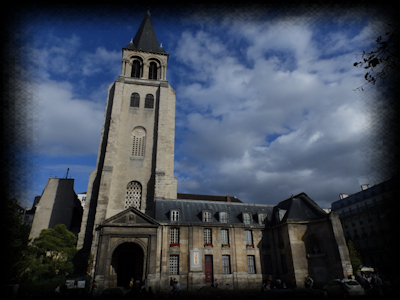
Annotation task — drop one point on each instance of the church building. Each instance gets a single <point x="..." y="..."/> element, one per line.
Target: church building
<point x="136" y="225"/>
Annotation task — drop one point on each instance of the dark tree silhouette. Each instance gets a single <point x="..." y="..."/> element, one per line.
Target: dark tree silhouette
<point x="382" y="63"/>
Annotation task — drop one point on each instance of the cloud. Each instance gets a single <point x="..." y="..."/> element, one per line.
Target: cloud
<point x="67" y="125"/>
<point x="281" y="83"/>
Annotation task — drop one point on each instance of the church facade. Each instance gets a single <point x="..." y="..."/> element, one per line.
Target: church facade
<point x="136" y="225"/>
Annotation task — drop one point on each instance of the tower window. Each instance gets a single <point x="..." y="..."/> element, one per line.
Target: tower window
<point x="153" y="70"/>
<point x="139" y="141"/>
<point x="149" y="101"/>
<point x="133" y="195"/>
<point x="135" y="100"/>
<point x="135" y="69"/>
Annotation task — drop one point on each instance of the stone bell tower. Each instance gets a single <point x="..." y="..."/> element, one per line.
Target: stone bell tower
<point x="135" y="161"/>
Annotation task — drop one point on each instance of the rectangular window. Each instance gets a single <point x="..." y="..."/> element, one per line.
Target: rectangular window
<point x="261" y="219"/>
<point x="226" y="264"/>
<point x="207" y="216"/>
<point x="251" y="264"/>
<point x="223" y="217"/>
<point x="174" y="265"/>
<point x="207" y="237"/>
<point x="246" y="218"/>
<point x="174" y="237"/>
<point x="174" y="215"/>
<point x="249" y="238"/>
<point x="224" y="237"/>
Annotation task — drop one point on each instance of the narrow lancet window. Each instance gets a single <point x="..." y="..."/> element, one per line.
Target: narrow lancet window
<point x="139" y="142"/>
<point x="153" y="70"/>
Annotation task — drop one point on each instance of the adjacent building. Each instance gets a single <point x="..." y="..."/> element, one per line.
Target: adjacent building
<point x="136" y="225"/>
<point x="58" y="204"/>
<point x="368" y="218"/>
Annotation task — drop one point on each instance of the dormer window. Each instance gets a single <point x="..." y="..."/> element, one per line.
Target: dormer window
<point x="262" y="218"/>
<point x="223" y="217"/>
<point x="174" y="215"/>
<point x="246" y="218"/>
<point x="207" y="216"/>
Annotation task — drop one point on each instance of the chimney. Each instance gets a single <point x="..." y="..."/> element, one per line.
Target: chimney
<point x="228" y="199"/>
<point x="365" y="186"/>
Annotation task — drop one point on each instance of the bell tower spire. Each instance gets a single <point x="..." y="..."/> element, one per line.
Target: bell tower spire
<point x="135" y="164"/>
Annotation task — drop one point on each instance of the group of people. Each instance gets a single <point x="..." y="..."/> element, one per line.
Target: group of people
<point x="270" y="284"/>
<point x="137" y="286"/>
<point x="175" y="287"/>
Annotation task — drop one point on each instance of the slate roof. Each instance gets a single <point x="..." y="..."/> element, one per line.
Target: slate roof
<point x="191" y="210"/>
<point x="146" y="39"/>
<point x="299" y="208"/>
<point x="364" y="194"/>
<point x="207" y="197"/>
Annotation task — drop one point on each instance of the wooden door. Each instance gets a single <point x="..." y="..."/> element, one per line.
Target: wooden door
<point x="208" y="266"/>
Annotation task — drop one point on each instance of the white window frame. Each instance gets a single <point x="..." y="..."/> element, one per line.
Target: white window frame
<point x="248" y="235"/>
<point x="207" y="236"/>
<point x="174" y="235"/>
<point x="174" y="213"/>
<point x="251" y="265"/>
<point x="246" y="218"/>
<point x="226" y="264"/>
<point x="223" y="217"/>
<point x="225" y="236"/>
<point x="207" y="216"/>
<point x="262" y="218"/>
<point x="174" y="265"/>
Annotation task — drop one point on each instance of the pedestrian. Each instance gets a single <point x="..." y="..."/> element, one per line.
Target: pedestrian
<point x="279" y="284"/>
<point x="270" y="281"/>
<point x="58" y="289"/>
<point x="131" y="284"/>
<point x="171" y="284"/>
<point x="94" y="288"/>
<point x="215" y="283"/>
<point x="178" y="289"/>
<point x="309" y="282"/>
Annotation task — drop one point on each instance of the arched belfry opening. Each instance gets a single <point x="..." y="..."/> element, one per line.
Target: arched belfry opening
<point x="127" y="262"/>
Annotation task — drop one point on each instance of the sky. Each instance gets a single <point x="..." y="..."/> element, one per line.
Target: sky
<point x="266" y="105"/>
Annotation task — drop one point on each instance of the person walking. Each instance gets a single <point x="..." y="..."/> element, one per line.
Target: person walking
<point x="178" y="289"/>
<point x="309" y="282"/>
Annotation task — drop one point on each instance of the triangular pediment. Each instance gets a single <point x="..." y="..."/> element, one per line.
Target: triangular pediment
<point x="130" y="217"/>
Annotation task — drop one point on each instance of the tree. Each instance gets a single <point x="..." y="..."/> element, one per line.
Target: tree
<point x="355" y="256"/>
<point x="50" y="254"/>
<point x="15" y="236"/>
<point x="383" y="63"/>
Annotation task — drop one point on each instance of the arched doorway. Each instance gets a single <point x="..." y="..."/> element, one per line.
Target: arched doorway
<point x="127" y="261"/>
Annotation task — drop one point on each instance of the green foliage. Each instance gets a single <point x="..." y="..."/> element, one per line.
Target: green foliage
<point x="50" y="254"/>
<point x="15" y="236"/>
<point x="355" y="256"/>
